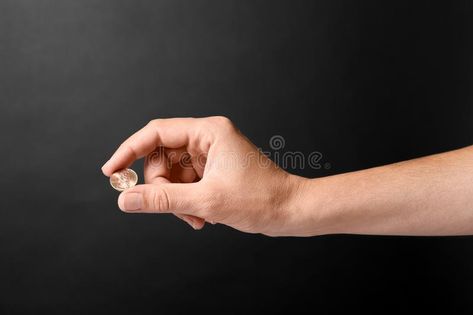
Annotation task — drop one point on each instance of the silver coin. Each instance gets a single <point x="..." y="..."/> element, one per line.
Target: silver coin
<point x="123" y="179"/>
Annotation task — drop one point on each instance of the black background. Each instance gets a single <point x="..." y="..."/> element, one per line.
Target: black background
<point x="364" y="83"/>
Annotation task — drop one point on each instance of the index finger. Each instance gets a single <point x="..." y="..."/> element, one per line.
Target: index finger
<point x="170" y="133"/>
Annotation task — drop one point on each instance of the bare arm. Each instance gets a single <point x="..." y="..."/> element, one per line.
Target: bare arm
<point x="426" y="196"/>
<point x="230" y="182"/>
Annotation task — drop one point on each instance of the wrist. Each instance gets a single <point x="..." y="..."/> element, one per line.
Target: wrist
<point x="311" y="207"/>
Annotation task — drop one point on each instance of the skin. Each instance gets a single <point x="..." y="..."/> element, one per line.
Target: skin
<point x="204" y="170"/>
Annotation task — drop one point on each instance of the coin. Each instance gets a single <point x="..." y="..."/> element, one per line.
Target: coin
<point x="123" y="179"/>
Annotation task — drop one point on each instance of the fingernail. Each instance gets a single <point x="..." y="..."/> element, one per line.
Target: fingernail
<point x="190" y="221"/>
<point x="103" y="167"/>
<point x="130" y="201"/>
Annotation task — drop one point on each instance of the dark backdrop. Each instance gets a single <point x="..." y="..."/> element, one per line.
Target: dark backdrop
<point x="363" y="83"/>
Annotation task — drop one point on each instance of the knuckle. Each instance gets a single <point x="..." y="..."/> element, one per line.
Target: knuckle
<point x="129" y="149"/>
<point x="222" y="122"/>
<point x="221" y="119"/>
<point x="154" y="122"/>
<point x="159" y="200"/>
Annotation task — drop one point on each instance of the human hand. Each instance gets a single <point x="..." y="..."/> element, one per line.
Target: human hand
<point x="204" y="169"/>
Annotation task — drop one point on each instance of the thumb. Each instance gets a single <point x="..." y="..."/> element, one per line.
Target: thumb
<point x="161" y="198"/>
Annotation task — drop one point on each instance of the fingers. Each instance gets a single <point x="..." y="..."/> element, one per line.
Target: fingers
<point x="170" y="133"/>
<point x="164" y="198"/>
<point x="161" y="164"/>
<point x="157" y="167"/>
<point x="157" y="171"/>
<point x="195" y="222"/>
<point x="182" y="175"/>
<point x="176" y="155"/>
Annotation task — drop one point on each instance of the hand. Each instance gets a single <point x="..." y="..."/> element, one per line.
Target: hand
<point x="204" y="169"/>
<point x="227" y="180"/>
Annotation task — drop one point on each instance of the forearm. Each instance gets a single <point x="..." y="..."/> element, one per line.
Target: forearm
<point x="426" y="196"/>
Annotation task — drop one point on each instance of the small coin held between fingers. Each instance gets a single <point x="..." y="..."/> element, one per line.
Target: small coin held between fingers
<point x="123" y="179"/>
